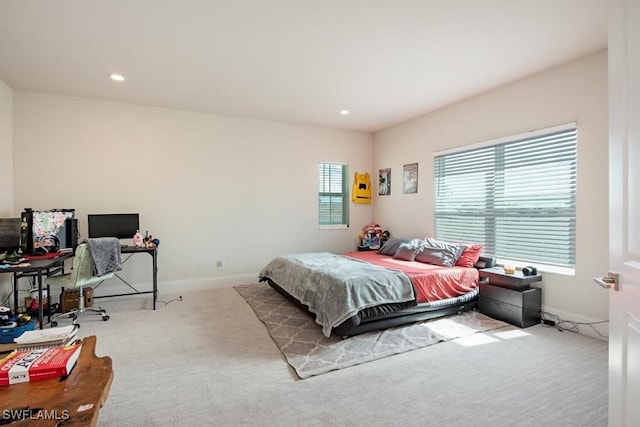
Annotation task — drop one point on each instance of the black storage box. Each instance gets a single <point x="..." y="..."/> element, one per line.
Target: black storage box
<point x="519" y="307"/>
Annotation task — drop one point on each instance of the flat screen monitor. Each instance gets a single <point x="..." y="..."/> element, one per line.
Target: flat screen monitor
<point x="121" y="226"/>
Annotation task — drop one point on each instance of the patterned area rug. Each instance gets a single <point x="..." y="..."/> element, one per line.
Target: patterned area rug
<point x="310" y="353"/>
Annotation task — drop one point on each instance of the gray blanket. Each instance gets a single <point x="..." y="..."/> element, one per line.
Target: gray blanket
<point x="105" y="252"/>
<point x="336" y="287"/>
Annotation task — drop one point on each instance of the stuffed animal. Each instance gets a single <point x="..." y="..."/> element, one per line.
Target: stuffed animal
<point x="372" y="236"/>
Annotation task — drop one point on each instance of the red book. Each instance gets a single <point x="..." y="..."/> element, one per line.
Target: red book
<point x="23" y="366"/>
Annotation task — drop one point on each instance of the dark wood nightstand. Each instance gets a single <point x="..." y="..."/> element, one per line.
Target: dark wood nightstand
<point x="510" y="297"/>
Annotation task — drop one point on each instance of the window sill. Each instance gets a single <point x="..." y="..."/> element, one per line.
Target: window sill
<point x="334" y="227"/>
<point x="542" y="268"/>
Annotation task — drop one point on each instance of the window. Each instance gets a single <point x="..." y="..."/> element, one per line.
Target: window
<point x="517" y="196"/>
<point x="333" y="194"/>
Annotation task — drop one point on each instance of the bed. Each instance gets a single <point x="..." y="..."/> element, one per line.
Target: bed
<point x="407" y="280"/>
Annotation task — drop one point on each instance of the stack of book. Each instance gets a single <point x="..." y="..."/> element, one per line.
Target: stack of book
<point x="45" y="338"/>
<point x="42" y="354"/>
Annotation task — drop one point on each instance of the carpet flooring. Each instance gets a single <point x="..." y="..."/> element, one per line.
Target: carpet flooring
<point x="311" y="353"/>
<point x="208" y="361"/>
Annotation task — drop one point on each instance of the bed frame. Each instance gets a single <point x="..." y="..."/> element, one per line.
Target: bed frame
<point x="390" y="315"/>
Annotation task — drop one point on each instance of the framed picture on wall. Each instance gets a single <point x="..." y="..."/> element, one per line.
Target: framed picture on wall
<point x="410" y="178"/>
<point x="384" y="182"/>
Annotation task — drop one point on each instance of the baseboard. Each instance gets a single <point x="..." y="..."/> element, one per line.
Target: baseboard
<point x="584" y="325"/>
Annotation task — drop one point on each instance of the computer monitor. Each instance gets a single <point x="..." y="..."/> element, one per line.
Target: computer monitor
<point x="120" y="226"/>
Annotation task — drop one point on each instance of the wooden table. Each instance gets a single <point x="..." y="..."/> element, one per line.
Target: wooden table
<point x="72" y="401"/>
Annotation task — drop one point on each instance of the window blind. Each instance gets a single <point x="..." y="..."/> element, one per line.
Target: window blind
<point x="517" y="198"/>
<point x="333" y="194"/>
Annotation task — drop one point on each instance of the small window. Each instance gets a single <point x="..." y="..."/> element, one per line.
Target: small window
<point x="516" y="196"/>
<point x="333" y="194"/>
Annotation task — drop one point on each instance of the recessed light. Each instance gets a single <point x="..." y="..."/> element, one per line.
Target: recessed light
<point x="116" y="77"/>
<point x="344" y="112"/>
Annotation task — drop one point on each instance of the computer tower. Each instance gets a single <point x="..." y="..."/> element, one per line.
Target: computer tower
<point x="71" y="230"/>
<point x="26" y="231"/>
<point x="9" y="234"/>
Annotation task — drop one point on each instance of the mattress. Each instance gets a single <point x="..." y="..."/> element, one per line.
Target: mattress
<point x="452" y="289"/>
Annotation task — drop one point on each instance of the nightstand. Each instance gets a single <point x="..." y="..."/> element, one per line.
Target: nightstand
<point x="510" y="297"/>
<point x="517" y="280"/>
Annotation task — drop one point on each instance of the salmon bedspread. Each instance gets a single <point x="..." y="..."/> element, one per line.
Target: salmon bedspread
<point x="431" y="282"/>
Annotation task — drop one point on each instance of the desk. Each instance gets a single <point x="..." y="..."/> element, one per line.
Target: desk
<point x="38" y="268"/>
<point x="130" y="251"/>
<point x="73" y="401"/>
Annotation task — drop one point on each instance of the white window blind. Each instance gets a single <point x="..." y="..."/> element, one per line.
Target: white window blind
<point x="333" y="194"/>
<point x="517" y="198"/>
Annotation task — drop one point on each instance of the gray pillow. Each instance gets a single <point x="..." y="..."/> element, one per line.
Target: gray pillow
<point x="390" y="247"/>
<point x="407" y="251"/>
<point x="440" y="253"/>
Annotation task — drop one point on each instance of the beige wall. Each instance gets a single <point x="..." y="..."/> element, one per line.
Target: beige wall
<point x="6" y="167"/>
<point x="576" y="91"/>
<point x="214" y="188"/>
<point x="6" y="150"/>
<point x="209" y="187"/>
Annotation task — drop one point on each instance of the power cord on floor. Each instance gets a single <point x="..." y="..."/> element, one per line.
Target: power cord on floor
<point x="559" y="324"/>
<point x="170" y="301"/>
<point x="9" y="297"/>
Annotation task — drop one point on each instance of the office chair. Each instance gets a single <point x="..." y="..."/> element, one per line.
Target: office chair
<point x="81" y="275"/>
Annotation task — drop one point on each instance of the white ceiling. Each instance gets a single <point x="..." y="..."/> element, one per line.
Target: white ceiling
<point x="299" y="61"/>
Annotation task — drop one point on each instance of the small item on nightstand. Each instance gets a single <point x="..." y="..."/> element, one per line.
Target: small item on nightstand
<point x="509" y="269"/>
